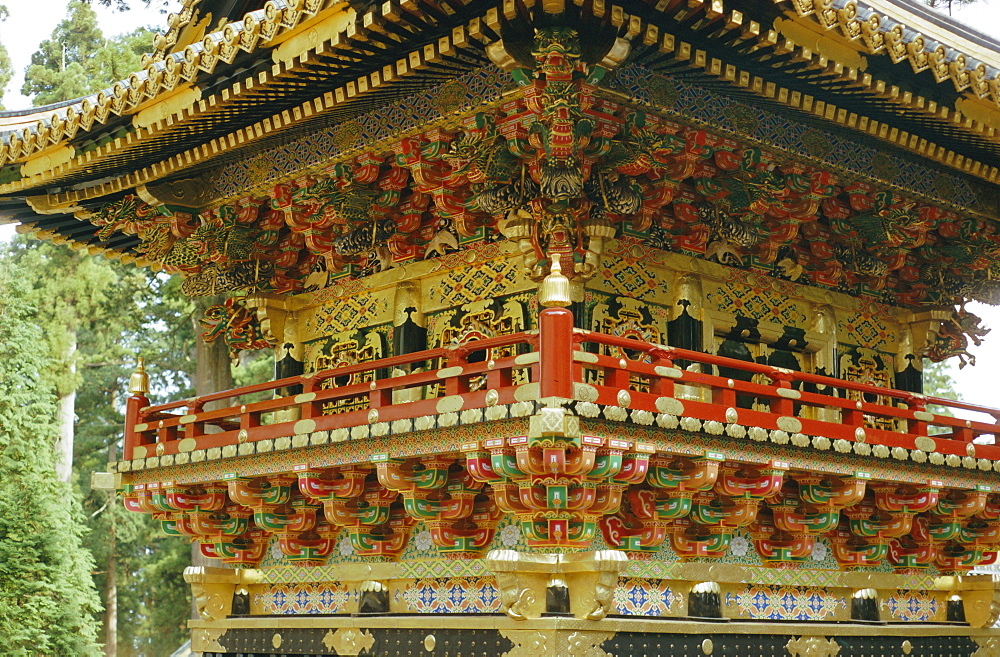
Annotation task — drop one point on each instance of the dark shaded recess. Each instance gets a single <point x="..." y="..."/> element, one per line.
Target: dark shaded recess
<point x="784" y="351"/>
<point x="580" y="317"/>
<point x="783" y="354"/>
<point x="820" y="389"/>
<point x="557" y="599"/>
<point x="241" y="604"/>
<point x="704" y="604"/>
<point x="285" y="366"/>
<point x="956" y="611"/>
<point x="409" y="337"/>
<point x="684" y="332"/>
<point x="911" y="379"/>
<point x="584" y="318"/>
<point x="864" y="609"/>
<point x="374" y="602"/>
<point x="735" y="346"/>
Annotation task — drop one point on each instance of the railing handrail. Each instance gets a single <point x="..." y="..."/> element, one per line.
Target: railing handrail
<point x="775" y="373"/>
<point x="458" y="350"/>
<point x="557" y="367"/>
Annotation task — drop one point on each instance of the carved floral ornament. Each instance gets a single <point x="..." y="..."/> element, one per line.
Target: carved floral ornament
<point x="559" y="168"/>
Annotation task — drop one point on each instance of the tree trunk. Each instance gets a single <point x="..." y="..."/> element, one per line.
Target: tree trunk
<point x="111" y="585"/>
<point x="66" y="416"/>
<point x="212" y="373"/>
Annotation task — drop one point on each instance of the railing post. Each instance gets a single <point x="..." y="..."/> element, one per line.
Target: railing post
<point x="194" y="429"/>
<point x="661" y="386"/>
<point x="555" y="345"/>
<point x="308" y="409"/>
<point x="457" y="384"/>
<point x="782" y="405"/>
<point x="916" y="427"/>
<point x="555" y="339"/>
<point x="138" y="385"/>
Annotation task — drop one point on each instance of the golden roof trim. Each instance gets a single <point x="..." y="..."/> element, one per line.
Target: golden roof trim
<point x="808" y="103"/>
<point x="416" y="59"/>
<point x="159" y="76"/>
<point x="175" y="23"/>
<point x="263" y="26"/>
<point x="978" y="69"/>
<point x="885" y="28"/>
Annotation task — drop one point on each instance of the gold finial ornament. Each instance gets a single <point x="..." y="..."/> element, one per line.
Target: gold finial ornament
<point x="138" y="383"/>
<point x="554" y="290"/>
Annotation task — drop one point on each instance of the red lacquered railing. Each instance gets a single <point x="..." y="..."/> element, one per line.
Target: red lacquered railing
<point x="566" y="363"/>
<point x="383" y="398"/>
<point x="833" y="414"/>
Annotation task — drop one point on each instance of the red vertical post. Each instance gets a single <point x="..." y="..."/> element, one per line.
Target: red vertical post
<point x="133" y="406"/>
<point x="555" y="345"/>
<point x="138" y="385"/>
<point x="913" y="426"/>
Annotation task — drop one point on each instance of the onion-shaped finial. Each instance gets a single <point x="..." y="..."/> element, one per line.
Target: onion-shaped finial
<point x="554" y="290"/>
<point x="138" y="383"/>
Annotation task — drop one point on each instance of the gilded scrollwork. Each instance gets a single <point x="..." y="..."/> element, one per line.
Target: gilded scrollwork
<point x="522" y="580"/>
<point x="212" y="589"/>
<point x="988" y="646"/>
<point x="812" y="646"/>
<point x="206" y="639"/>
<point x="349" y="641"/>
<point x="577" y="643"/>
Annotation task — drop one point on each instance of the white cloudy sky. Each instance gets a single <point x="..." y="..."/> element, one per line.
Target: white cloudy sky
<point x="32" y="21"/>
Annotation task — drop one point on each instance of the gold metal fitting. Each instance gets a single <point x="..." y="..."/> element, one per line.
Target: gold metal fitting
<point x="138" y="383"/>
<point x="554" y="290"/>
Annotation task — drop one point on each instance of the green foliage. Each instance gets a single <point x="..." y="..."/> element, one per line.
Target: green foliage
<point x="76" y="295"/>
<point x="77" y="60"/>
<point x="6" y="68"/>
<point x="254" y="367"/>
<point x="126" y="5"/>
<point x="46" y="595"/>
<point x="115" y="312"/>
<point x="938" y="382"/>
<point x="122" y="55"/>
<point x="153" y="600"/>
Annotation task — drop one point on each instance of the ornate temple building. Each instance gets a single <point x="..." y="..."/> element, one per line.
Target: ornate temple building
<point x="598" y="328"/>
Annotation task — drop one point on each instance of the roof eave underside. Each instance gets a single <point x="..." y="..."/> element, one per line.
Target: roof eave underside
<point x="391" y="51"/>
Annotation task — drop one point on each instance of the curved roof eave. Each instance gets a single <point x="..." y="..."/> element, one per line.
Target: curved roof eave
<point x="902" y="28"/>
<point x="25" y="133"/>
